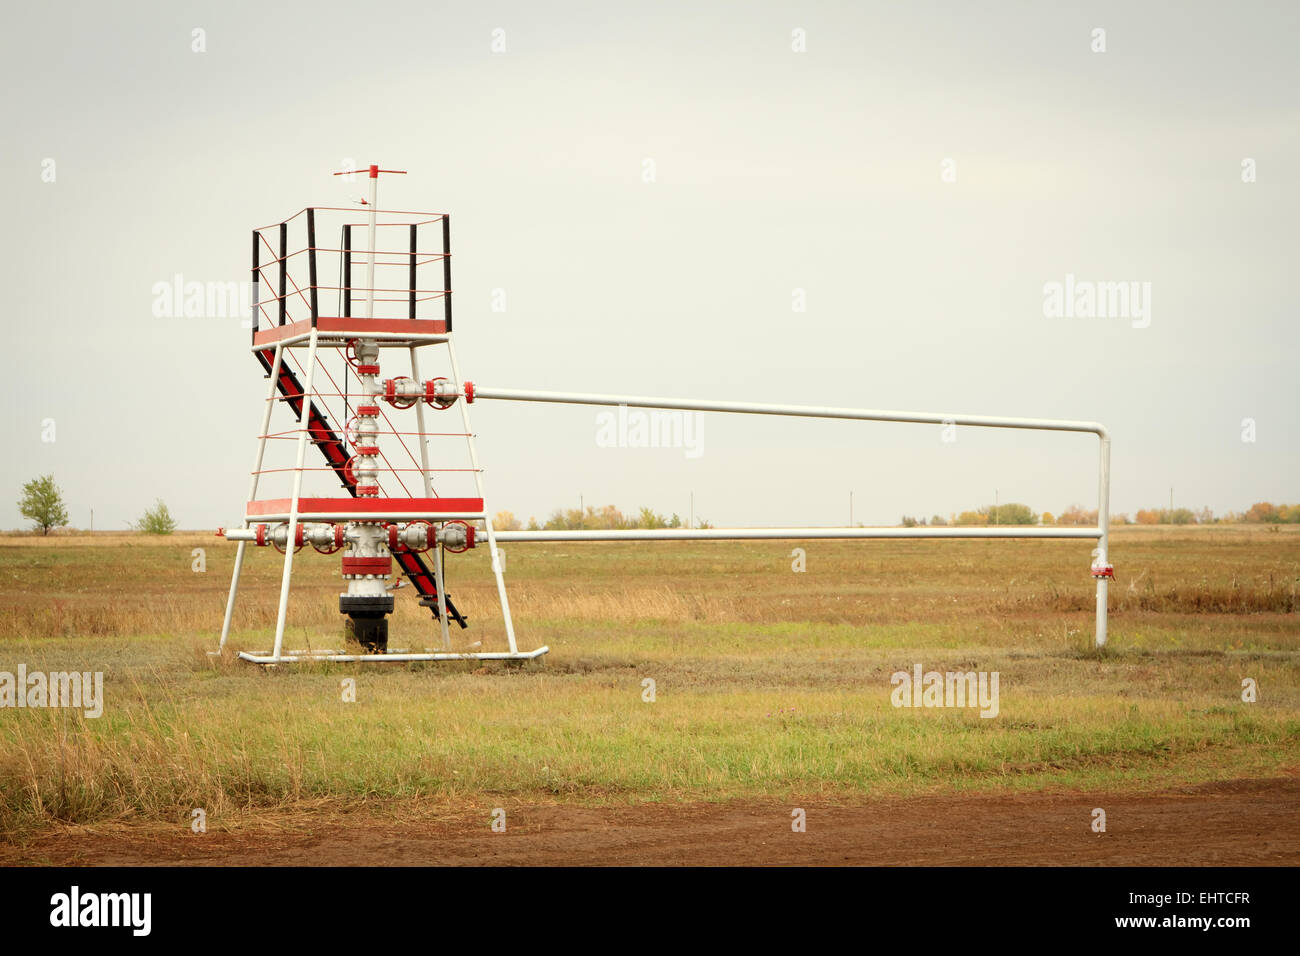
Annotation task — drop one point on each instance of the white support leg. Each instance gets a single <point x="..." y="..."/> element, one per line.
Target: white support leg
<point x="428" y="493"/>
<point x="487" y="516"/>
<point x="234" y="591"/>
<point x="439" y="582"/>
<point x="419" y="423"/>
<point x="252" y="493"/>
<point x="303" y="433"/>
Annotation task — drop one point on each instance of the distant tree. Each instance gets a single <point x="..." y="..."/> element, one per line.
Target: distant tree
<point x="649" y="519"/>
<point x="1049" y="518"/>
<point x="608" y="518"/>
<point x="938" y="521"/>
<point x="505" y="521"/>
<point x="1289" y="513"/>
<point x="1120" y="519"/>
<point x="42" y="502"/>
<point x="909" y="521"/>
<point x="972" y="518"/>
<point x="674" y="521"/>
<point x="1263" y="511"/>
<point x="604" y="518"/>
<point x="1205" y="516"/>
<point x="569" y="519"/>
<point x="1010" y="513"/>
<point x="157" y="520"/>
<point x="1077" y="517"/>
<point x="533" y="525"/>
<point x="1176" y="516"/>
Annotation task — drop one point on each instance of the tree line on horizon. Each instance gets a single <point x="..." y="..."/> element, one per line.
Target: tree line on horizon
<point x="604" y="518"/>
<point x="41" y="501"/>
<point x="1014" y="513"/>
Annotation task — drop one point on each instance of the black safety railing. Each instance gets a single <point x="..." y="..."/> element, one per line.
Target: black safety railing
<point x="286" y="270"/>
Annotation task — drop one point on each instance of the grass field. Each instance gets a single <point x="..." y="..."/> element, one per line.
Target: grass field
<point x="769" y="685"/>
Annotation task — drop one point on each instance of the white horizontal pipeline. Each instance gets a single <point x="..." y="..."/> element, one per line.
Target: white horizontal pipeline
<point x="813" y="411"/>
<point x="805" y="411"/>
<point x="733" y="534"/>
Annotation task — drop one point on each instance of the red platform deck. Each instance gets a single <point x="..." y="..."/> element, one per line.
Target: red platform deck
<point x="348" y="328"/>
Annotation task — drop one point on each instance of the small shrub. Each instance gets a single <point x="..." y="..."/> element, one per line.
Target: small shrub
<point x="157" y="520"/>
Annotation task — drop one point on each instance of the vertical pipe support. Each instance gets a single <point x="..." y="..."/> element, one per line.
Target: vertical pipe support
<point x="370" y="243"/>
<point x="1103" y="542"/>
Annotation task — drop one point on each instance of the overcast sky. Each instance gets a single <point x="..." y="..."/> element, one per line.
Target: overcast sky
<point x="775" y="169"/>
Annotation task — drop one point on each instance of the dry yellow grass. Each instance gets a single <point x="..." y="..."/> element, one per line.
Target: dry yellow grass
<point x="121" y="584"/>
<point x="770" y="682"/>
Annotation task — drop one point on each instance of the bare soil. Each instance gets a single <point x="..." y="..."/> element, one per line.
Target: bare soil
<point x="1236" y="823"/>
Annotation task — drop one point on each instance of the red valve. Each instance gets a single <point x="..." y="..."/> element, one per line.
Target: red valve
<point x="432" y="397"/>
<point x="297" y="539"/>
<point x="350" y="356"/>
<point x="469" y="537"/>
<point x="391" y="396"/>
<point x="334" y="544"/>
<point x="430" y="535"/>
<point x="395" y="542"/>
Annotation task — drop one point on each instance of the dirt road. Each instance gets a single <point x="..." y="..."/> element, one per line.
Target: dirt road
<point x="1249" y="822"/>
